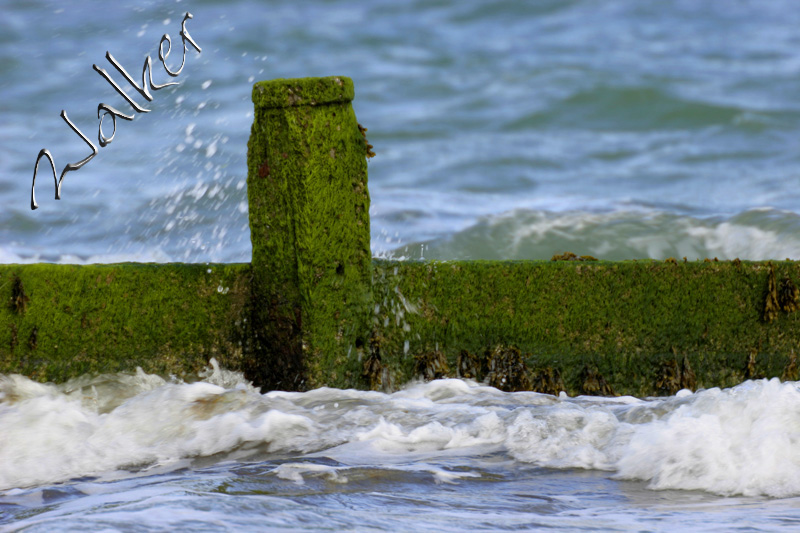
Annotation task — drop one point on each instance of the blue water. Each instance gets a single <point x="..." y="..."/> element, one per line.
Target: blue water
<point x="617" y="128"/>
<point x="140" y="453"/>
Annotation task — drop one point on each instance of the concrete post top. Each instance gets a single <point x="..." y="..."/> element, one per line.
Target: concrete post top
<point x="302" y="91"/>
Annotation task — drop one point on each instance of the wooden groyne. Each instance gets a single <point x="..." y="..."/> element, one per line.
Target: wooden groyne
<point x="313" y="308"/>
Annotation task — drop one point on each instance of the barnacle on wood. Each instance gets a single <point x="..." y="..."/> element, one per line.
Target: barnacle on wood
<point x="363" y="131"/>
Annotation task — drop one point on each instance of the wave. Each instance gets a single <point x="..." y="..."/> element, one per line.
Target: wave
<point x="742" y="440"/>
<point x="756" y="234"/>
<point x="151" y="255"/>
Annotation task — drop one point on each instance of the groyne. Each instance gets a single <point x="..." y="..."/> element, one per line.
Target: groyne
<point x="313" y="308"/>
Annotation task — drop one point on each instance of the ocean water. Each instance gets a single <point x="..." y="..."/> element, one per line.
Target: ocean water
<point x="136" y="452"/>
<point x="513" y="130"/>
<point x="615" y="128"/>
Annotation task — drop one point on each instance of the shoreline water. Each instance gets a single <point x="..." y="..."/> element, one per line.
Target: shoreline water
<point x="124" y="449"/>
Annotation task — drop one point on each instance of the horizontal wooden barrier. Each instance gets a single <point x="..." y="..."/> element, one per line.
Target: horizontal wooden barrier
<point x="313" y="308"/>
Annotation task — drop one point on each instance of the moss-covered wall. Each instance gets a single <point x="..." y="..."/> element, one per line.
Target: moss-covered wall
<point x="61" y="321"/>
<point x="634" y="327"/>
<point x="638" y="328"/>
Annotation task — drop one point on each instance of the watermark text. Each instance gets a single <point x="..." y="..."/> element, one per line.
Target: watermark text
<point x="103" y="110"/>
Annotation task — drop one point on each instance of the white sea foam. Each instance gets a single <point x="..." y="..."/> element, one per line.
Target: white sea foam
<point x="756" y="234"/>
<point x="742" y="440"/>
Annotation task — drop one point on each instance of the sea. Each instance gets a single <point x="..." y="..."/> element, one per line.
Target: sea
<point x="514" y="129"/>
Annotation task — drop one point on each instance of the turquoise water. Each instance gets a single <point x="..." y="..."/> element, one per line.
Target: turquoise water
<point x="620" y="129"/>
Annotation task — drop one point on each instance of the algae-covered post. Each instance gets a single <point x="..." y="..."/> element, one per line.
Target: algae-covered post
<point x="309" y="225"/>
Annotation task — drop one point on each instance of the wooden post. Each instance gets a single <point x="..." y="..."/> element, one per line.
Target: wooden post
<point x="309" y="225"/>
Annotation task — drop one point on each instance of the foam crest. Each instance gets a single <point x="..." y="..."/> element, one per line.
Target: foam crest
<point x="737" y="441"/>
<point x="564" y="437"/>
<point x="622" y="234"/>
<point x="742" y="440"/>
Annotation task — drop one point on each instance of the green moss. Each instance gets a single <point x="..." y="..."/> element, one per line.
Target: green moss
<point x="309" y="226"/>
<point x="623" y="321"/>
<point x="107" y="318"/>
<point x="303" y="92"/>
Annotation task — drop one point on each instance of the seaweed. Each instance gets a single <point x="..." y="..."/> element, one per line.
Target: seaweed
<point x="594" y="384"/>
<point x="788" y="296"/>
<point x="507" y="370"/>
<point x="547" y="380"/>
<point x="669" y="379"/>
<point x="771" y="305"/>
<point x="431" y="365"/>
<point x="688" y="377"/>
<point x="372" y="369"/>
<point x="750" y="366"/>
<point x="790" y="371"/>
<point x="674" y="377"/>
<point x="468" y="366"/>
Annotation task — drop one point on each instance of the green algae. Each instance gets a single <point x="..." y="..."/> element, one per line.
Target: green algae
<point x="309" y="226"/>
<point x="617" y="323"/>
<point x="166" y="319"/>
<point x="300" y="92"/>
